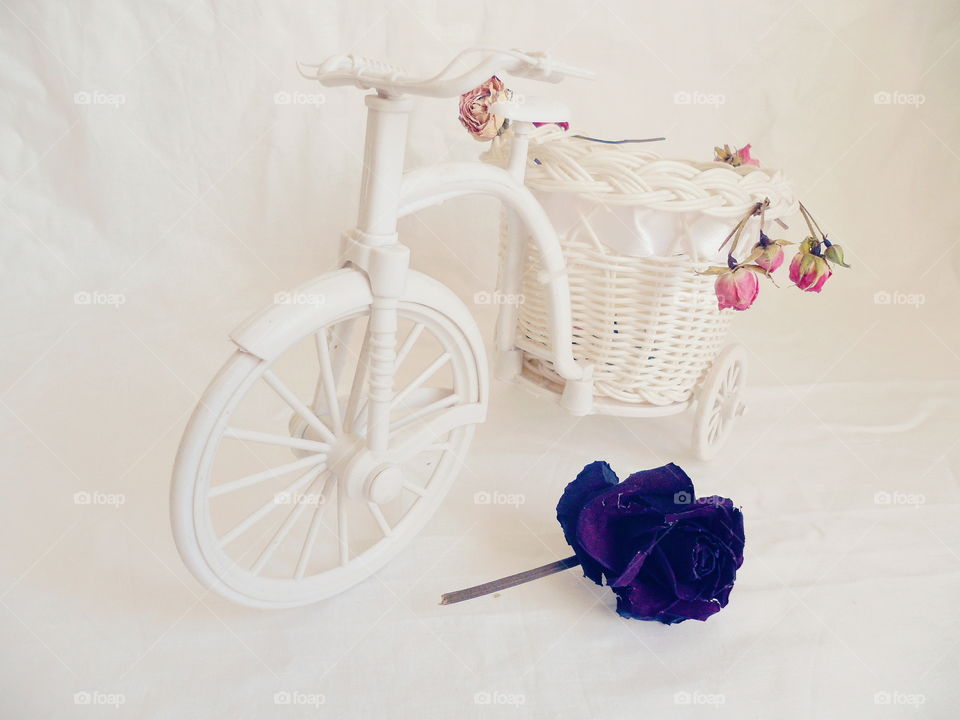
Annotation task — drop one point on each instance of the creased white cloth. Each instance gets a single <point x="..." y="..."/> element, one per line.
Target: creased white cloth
<point x="154" y="191"/>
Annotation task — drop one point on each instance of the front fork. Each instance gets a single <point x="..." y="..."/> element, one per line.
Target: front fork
<point x="387" y="271"/>
<point x="386" y="268"/>
<point x="364" y="470"/>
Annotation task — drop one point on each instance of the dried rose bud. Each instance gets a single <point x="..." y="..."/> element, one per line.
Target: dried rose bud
<point x="771" y="258"/>
<point x="736" y="288"/>
<point x="768" y="253"/>
<point x="734" y="157"/>
<point x="808" y="270"/>
<point x="834" y="253"/>
<point x="723" y="154"/>
<point x="743" y="154"/>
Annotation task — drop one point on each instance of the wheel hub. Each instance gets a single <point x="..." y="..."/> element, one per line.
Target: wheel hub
<point x="732" y="406"/>
<point x="364" y="474"/>
<point x="384" y="483"/>
<point x="342" y="453"/>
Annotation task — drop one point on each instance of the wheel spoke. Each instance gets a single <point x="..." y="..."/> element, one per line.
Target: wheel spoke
<point x="315" y="524"/>
<point x="407" y="344"/>
<point x="327" y="381"/>
<point x="723" y="391"/>
<point x="716" y="426"/>
<point x="267" y="438"/>
<point x="424" y="437"/>
<point x="295" y="512"/>
<point x="715" y="422"/>
<point x="249" y="480"/>
<point x="343" y="537"/>
<point x="438" y="447"/>
<point x="360" y="421"/>
<point x="414" y="488"/>
<point x="420" y="379"/>
<point x="286" y="394"/>
<point x="717" y="409"/>
<point x="378" y="516"/>
<point x="440" y="404"/>
<point x="733" y="377"/>
<point x="269" y="506"/>
<point x="359" y="381"/>
<point x="340" y="337"/>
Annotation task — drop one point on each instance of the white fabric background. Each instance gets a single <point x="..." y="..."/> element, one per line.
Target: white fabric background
<point x="199" y="197"/>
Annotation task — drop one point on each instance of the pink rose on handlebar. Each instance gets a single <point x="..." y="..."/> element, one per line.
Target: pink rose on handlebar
<point x="475" y="113"/>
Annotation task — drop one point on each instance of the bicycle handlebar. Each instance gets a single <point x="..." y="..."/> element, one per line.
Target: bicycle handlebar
<point x="368" y="73"/>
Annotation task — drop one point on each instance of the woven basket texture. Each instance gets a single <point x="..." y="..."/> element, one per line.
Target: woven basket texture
<point x="649" y="326"/>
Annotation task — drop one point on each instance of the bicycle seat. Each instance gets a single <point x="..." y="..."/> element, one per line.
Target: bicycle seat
<point x="389" y="79"/>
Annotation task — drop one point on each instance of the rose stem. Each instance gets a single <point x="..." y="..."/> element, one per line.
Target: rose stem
<point x="815" y="224"/>
<point x="741" y="226"/>
<point x="735" y="229"/>
<point x="806" y="216"/>
<point x="619" y="142"/>
<point x="508" y="582"/>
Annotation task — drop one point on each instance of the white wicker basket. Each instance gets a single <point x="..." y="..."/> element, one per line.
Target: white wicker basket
<point x="645" y="321"/>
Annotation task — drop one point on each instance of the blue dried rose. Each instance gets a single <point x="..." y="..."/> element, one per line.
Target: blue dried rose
<point x="667" y="555"/>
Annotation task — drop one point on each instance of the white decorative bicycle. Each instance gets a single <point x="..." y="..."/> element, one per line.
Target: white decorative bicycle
<point x="358" y="392"/>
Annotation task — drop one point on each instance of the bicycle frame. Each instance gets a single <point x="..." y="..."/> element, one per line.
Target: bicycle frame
<point x="387" y="194"/>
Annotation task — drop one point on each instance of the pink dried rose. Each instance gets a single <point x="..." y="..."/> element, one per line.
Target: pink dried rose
<point x="736" y="288"/>
<point x="770" y="258"/>
<point x="475" y="113"/>
<point x="768" y="253"/>
<point x="808" y="270"/>
<point x="744" y="155"/>
<point x="735" y="157"/>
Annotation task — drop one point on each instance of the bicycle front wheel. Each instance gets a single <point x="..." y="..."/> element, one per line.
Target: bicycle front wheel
<point x="260" y="511"/>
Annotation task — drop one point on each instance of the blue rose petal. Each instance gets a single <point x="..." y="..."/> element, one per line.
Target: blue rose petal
<point x="667" y="555"/>
<point x="666" y="488"/>
<point x="592" y="480"/>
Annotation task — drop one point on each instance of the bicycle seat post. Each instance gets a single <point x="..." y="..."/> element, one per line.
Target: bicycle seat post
<point x="383" y="155"/>
<point x="517" y="165"/>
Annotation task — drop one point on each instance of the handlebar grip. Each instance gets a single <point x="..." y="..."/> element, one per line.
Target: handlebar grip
<point x="369" y="66"/>
<point x="355" y="66"/>
<point x="539" y="66"/>
<point x="574" y="71"/>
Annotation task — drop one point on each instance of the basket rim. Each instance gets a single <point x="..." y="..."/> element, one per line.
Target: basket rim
<point x="559" y="162"/>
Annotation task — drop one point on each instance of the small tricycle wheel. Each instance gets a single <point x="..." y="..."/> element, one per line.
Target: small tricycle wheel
<point x="719" y="401"/>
